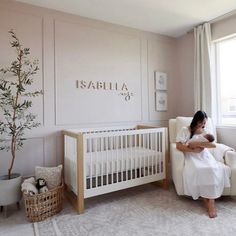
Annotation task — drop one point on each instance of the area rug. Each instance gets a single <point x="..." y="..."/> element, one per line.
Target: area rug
<point x="144" y="210"/>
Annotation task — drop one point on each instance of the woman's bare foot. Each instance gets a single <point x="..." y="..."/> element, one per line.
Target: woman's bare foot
<point x="211" y="208"/>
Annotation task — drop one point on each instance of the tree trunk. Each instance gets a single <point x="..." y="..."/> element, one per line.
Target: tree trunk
<point x="13" y="154"/>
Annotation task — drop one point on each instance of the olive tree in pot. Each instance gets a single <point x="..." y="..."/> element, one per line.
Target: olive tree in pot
<point x="15" y="115"/>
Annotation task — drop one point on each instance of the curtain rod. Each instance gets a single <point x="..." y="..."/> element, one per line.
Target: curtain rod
<point x="216" y="19"/>
<point x="224" y="16"/>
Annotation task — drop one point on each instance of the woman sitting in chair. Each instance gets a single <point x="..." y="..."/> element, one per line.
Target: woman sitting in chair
<point x="203" y="176"/>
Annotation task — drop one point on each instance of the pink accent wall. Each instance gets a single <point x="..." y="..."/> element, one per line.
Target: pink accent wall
<point x="185" y="55"/>
<point x="71" y="48"/>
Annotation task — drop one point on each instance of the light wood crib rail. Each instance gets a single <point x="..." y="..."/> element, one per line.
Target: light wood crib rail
<point x="98" y="161"/>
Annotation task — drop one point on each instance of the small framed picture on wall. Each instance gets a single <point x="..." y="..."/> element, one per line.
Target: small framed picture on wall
<point x="160" y="80"/>
<point x="161" y="100"/>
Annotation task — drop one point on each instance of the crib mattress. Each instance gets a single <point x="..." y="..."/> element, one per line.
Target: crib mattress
<point x="118" y="160"/>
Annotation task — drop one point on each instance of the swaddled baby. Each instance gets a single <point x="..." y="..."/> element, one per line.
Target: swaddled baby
<point x="203" y="138"/>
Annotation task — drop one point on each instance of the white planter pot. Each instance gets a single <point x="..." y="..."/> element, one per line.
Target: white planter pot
<point x="10" y="189"/>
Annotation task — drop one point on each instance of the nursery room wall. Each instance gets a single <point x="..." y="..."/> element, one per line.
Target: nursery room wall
<point x="185" y="49"/>
<point x="86" y="66"/>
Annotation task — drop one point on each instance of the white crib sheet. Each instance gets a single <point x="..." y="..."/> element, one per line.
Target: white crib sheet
<point x="120" y="160"/>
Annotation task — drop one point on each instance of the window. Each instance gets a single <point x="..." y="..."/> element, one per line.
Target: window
<point x="226" y="81"/>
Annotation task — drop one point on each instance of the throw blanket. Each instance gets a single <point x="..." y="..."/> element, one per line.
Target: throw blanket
<point x="219" y="151"/>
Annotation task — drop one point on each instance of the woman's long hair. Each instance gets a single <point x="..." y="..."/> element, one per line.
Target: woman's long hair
<point x="199" y="116"/>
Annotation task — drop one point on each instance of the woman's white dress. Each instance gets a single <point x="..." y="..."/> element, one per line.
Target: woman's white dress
<point x="203" y="176"/>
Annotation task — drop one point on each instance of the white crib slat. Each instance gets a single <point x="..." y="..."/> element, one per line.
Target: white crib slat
<point x="156" y="151"/>
<point x="126" y="158"/>
<point x="155" y="154"/>
<point x="148" y="165"/>
<point x="117" y="171"/>
<point x="135" y="158"/>
<point x="131" y="155"/>
<point x="122" y="158"/>
<point x="112" y="159"/>
<point x="140" y="141"/>
<point x="151" y="148"/>
<point x="96" y="162"/>
<point x="102" y="149"/>
<point x="91" y="163"/>
<point x="159" y="156"/>
<point x="107" y="140"/>
<point x="143" y="161"/>
<point x="163" y="153"/>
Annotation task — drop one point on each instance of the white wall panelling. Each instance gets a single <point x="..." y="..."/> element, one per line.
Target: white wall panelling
<point x="48" y="70"/>
<point x="162" y="57"/>
<point x="89" y="54"/>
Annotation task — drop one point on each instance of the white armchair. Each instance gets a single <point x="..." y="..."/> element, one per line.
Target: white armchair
<point x="177" y="157"/>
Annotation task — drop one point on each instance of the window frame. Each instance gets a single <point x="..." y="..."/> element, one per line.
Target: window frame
<point x="217" y="81"/>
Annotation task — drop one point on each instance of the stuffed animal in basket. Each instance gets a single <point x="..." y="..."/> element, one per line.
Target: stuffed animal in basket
<point x="28" y="186"/>
<point x="41" y="185"/>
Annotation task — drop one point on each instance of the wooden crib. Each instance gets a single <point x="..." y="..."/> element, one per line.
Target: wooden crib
<point x="98" y="161"/>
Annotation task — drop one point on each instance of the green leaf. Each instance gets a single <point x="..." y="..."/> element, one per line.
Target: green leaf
<point x="14" y="83"/>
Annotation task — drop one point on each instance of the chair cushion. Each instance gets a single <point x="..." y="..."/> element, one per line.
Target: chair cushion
<point x="182" y="122"/>
<point x="185" y="121"/>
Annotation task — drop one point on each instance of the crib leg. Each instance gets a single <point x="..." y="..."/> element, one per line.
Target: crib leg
<point x="165" y="184"/>
<point x="18" y="205"/>
<point x="80" y="176"/>
<point x="80" y="205"/>
<point x="5" y="211"/>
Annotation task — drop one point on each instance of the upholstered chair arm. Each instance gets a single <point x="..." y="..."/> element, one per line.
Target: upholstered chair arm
<point x="177" y="166"/>
<point x="177" y="157"/>
<point x="230" y="159"/>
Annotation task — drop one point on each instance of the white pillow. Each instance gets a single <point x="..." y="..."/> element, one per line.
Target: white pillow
<point x="52" y="175"/>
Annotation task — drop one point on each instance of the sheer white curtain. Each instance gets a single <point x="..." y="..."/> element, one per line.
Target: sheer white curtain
<point x="202" y="71"/>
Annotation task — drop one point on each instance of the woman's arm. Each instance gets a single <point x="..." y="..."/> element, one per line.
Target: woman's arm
<point x="206" y="144"/>
<point x="185" y="148"/>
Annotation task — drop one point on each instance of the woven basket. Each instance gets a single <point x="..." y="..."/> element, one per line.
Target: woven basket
<point x="43" y="205"/>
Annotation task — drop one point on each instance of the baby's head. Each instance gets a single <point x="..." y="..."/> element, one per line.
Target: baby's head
<point x="209" y="137"/>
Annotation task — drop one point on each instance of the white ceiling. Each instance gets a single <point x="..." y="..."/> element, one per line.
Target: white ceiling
<point x="167" y="17"/>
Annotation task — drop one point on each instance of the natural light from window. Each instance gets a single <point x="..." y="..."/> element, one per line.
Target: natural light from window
<point x="226" y="58"/>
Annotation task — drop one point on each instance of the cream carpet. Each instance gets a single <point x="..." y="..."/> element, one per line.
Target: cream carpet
<point x="144" y="210"/>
